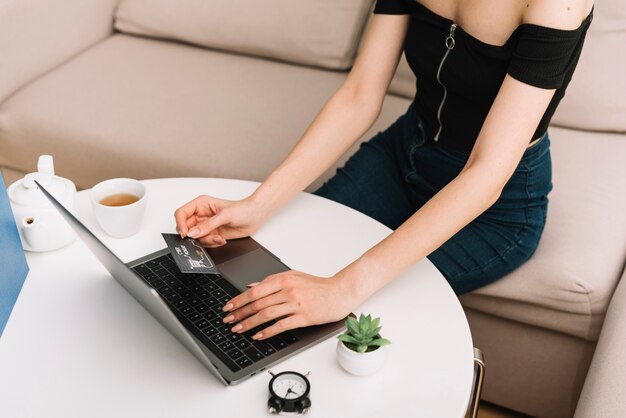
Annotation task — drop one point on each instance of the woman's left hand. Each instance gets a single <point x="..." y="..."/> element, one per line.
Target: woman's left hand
<point x="298" y="298"/>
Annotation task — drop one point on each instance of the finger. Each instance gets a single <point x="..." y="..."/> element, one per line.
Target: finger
<point x="195" y="220"/>
<point x="256" y="306"/>
<point x="268" y="286"/>
<point x="263" y="316"/>
<point x="285" y="324"/>
<point x="192" y="221"/>
<point x="206" y="227"/>
<point x="212" y="241"/>
<point x="183" y="213"/>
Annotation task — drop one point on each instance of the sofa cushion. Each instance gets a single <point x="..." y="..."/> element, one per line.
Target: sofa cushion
<point x="567" y="284"/>
<point x="11" y="176"/>
<point x="604" y="393"/>
<point x="596" y="97"/>
<point x="37" y="35"/>
<point x="138" y="107"/>
<point x="321" y="33"/>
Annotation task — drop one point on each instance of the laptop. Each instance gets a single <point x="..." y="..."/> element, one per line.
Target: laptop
<point x="189" y="306"/>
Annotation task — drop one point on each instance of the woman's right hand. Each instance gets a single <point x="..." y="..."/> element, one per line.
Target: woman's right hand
<point x="213" y="221"/>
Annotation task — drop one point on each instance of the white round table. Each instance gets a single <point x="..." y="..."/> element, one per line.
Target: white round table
<point x="77" y="345"/>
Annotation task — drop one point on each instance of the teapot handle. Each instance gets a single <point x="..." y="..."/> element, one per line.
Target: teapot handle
<point x="45" y="166"/>
<point x="44" y="174"/>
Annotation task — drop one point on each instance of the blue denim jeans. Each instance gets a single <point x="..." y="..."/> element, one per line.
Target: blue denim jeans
<point x="398" y="170"/>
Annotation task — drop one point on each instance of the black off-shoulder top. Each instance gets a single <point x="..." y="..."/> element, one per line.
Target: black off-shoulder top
<point x="458" y="76"/>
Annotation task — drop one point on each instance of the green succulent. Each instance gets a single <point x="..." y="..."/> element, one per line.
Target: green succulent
<point x="363" y="335"/>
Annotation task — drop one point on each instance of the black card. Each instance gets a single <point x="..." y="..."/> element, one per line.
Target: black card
<point x="189" y="255"/>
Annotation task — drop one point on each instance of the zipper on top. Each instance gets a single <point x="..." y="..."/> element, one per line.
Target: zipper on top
<point x="450" y="42"/>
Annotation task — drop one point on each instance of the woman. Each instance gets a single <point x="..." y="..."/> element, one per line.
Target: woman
<point x="462" y="177"/>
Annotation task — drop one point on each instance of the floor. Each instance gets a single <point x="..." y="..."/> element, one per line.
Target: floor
<point x="487" y="410"/>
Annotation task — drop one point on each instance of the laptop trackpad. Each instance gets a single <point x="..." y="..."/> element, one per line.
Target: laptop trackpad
<point x="251" y="267"/>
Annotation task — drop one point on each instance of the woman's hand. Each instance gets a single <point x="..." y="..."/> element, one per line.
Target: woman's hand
<point x="298" y="298"/>
<point x="213" y="221"/>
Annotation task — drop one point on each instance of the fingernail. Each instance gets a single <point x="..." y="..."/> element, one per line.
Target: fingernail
<point x="257" y="336"/>
<point x="218" y="240"/>
<point x="229" y="318"/>
<point x="194" y="232"/>
<point x="236" y="328"/>
<point x="253" y="284"/>
<point x="228" y="307"/>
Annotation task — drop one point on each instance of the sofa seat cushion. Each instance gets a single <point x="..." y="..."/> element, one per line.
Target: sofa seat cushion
<point x="142" y="108"/>
<point x="322" y="33"/>
<point x="567" y="284"/>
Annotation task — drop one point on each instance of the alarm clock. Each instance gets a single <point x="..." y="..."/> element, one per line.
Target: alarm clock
<point x="289" y="393"/>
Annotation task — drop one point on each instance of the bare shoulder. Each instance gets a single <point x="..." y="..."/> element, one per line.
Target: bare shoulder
<point x="558" y="14"/>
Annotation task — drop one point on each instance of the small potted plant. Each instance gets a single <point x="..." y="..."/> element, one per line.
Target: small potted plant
<point x="360" y="349"/>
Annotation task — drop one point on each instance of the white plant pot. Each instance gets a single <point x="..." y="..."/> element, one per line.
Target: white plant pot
<point x="360" y="364"/>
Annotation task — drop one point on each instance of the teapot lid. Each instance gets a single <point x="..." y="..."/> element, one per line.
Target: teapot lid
<point x="25" y="191"/>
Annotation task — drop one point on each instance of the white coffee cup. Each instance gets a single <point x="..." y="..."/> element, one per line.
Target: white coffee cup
<point x="119" y="221"/>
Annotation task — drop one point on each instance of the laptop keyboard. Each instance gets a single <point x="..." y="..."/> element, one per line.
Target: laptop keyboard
<point x="198" y="300"/>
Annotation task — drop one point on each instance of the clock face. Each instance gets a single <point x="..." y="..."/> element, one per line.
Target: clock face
<point x="289" y="386"/>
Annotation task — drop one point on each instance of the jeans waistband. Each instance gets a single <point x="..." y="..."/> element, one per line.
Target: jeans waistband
<point x="530" y="153"/>
<point x="537" y="149"/>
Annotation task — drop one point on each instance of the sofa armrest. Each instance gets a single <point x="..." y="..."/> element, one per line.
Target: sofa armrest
<point x="38" y="35"/>
<point x="604" y="393"/>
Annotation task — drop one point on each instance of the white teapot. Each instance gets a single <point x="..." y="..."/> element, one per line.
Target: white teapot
<point x="40" y="225"/>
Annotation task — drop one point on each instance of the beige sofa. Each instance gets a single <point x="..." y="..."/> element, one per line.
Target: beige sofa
<point x="604" y="393"/>
<point x="195" y="88"/>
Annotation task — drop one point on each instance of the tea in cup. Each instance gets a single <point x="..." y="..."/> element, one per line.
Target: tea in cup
<point x="119" y="206"/>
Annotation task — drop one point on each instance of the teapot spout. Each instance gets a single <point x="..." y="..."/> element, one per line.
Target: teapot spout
<point x="35" y="233"/>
